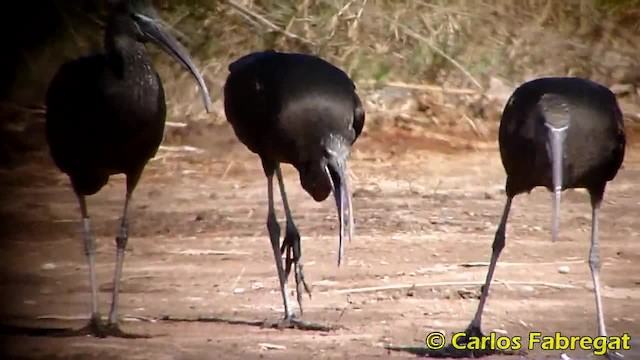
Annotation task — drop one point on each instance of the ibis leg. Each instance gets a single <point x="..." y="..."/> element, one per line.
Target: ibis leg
<point x="594" y="265"/>
<point x="289" y="320"/>
<point x="292" y="245"/>
<point x="122" y="238"/>
<point x="95" y="326"/>
<point x="95" y="323"/>
<point x="274" y="234"/>
<point x="474" y="328"/>
<point x="121" y="244"/>
<point x="90" y="250"/>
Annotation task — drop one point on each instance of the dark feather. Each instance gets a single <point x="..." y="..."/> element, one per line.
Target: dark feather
<point x="595" y="141"/>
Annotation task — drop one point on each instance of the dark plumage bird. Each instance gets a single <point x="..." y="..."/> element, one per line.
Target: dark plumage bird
<point x="106" y="116"/>
<point x="300" y="110"/>
<point x="560" y="133"/>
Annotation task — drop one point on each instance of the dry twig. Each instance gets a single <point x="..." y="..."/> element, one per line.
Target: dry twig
<point x="267" y="346"/>
<point x="452" y="283"/>
<point x="264" y="21"/>
<point x="237" y="280"/>
<point x="421" y="38"/>
<point x="213" y="252"/>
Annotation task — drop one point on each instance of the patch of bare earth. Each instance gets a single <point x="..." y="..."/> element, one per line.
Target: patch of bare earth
<point x="426" y="216"/>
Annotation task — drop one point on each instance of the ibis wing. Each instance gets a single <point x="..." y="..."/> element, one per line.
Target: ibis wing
<point x="358" y="116"/>
<point x="249" y="60"/>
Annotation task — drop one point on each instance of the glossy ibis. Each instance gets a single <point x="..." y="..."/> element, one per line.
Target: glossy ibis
<point x="105" y="116"/>
<point x="300" y="110"/>
<point x="560" y="133"/>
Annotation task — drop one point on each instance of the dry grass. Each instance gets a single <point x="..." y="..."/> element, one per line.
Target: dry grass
<point x="441" y="43"/>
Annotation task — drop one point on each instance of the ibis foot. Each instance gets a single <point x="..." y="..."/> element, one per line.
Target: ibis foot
<point x="300" y="283"/>
<point x="95" y="327"/>
<point x="293" y="323"/>
<point x="291" y="247"/>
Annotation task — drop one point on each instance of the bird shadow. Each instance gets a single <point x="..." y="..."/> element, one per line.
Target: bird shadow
<point x="61" y="332"/>
<point x="450" y="352"/>
<point x="264" y="324"/>
<point x="18" y="330"/>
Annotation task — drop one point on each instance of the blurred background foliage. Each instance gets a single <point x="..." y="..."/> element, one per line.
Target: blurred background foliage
<point x="475" y="46"/>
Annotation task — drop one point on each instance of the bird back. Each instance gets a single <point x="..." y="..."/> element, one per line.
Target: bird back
<point x="281" y="100"/>
<point x="595" y="141"/>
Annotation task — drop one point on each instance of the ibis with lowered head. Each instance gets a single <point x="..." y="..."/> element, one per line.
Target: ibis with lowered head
<point x="301" y="110"/>
<point x="560" y="133"/>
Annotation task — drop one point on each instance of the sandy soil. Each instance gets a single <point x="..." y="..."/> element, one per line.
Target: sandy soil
<point x="426" y="214"/>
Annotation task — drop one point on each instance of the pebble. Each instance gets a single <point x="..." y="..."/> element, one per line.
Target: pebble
<point x="527" y="288"/>
<point x="563" y="269"/>
<point x="256" y="286"/>
<point x="48" y="266"/>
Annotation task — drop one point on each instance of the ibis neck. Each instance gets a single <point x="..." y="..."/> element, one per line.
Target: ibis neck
<point x="126" y="59"/>
<point x="125" y="54"/>
<point x="131" y="66"/>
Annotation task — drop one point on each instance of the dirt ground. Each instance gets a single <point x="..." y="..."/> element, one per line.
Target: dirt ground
<point x="426" y="214"/>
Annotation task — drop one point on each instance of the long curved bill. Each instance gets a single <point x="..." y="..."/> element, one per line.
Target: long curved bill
<point x="557" y="137"/>
<point x="171" y="46"/>
<point x="340" y="186"/>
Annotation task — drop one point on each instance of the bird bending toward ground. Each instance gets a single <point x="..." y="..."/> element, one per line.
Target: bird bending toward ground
<point x="560" y="133"/>
<point x="105" y="116"/>
<point x="300" y="110"/>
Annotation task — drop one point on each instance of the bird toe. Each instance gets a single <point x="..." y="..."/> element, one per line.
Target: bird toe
<point x="93" y="327"/>
<point x="114" y="330"/>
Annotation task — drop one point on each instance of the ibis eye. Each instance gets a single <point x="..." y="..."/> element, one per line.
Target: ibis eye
<point x="328" y="153"/>
<point x="136" y="26"/>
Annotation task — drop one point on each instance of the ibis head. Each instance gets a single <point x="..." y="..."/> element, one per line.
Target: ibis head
<point x="328" y="173"/>
<point x="137" y="20"/>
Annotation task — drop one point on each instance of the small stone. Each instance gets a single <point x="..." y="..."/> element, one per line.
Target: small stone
<point x="256" y="286"/>
<point x="48" y="266"/>
<point x="238" y="290"/>
<point x="563" y="269"/>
